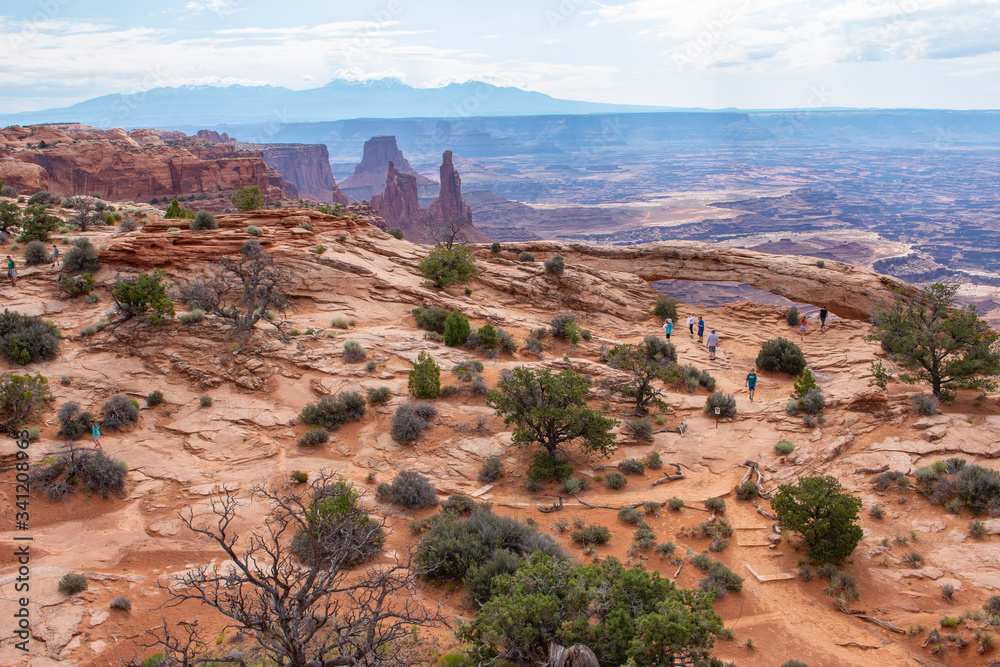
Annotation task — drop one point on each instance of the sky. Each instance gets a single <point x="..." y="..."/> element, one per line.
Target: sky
<point x="750" y="54"/>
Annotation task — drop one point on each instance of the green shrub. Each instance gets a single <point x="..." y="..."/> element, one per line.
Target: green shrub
<point x="154" y="398"/>
<point x="205" y="401"/>
<point x="975" y="486"/>
<point x="253" y="230"/>
<point x="653" y="461"/>
<point x="676" y="504"/>
<point x="658" y="349"/>
<point x="977" y="529"/>
<point x="337" y="530"/>
<point x="75" y="469"/>
<point x="632" y="467"/>
<point x="299" y="477"/>
<point x="121" y="603"/>
<point x="119" y="411"/>
<point x="630" y="515"/>
<point x="784" y="447"/>
<point x="555" y="266"/>
<point x="27" y="338"/>
<point x="21" y="397"/>
<point x="926" y="404"/>
<point x="431" y="319"/>
<point x="640" y="428"/>
<point x="792" y="317"/>
<point x="526" y="257"/>
<point x="41" y="197"/>
<point x="424" y="378"/>
<point x="547" y="466"/>
<point x="340" y="322"/>
<point x="825" y="517"/>
<point x="314" y="436"/>
<point x="491" y="470"/>
<point x="565" y="326"/>
<point x="489" y="337"/>
<point x="409" y="489"/>
<point x="615" y="480"/>
<point x="747" y="490"/>
<point x="196" y="315"/>
<point x="204" y="220"/>
<point x="782" y="356"/>
<point x="82" y="257"/>
<point x="72" y="583"/>
<point x="665" y="308"/>
<point x="725" y="402"/>
<point x="248" y="198"/>
<point x="75" y="286"/>
<point x="144" y="295"/>
<point x="410" y="420"/>
<point x="716" y="505"/>
<point x="396" y="232"/>
<point x="378" y="395"/>
<point x="332" y="412"/>
<point x="495" y="248"/>
<point x="591" y="535"/>
<point x="456" y="329"/>
<point x="353" y="352"/>
<point x="445" y="266"/>
<point x="35" y="253"/>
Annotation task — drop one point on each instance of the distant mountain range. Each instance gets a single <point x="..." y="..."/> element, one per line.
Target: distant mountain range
<point x="338" y="100"/>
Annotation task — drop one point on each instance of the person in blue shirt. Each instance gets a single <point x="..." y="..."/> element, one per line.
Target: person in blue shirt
<point x="96" y="433"/>
<point x="701" y="330"/>
<point x="751" y="382"/>
<point x="668" y="327"/>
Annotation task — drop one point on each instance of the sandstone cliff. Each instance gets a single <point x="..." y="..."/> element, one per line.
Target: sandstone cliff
<point x="78" y="160"/>
<point x="369" y="175"/>
<point x="308" y="167"/>
<point x="399" y="206"/>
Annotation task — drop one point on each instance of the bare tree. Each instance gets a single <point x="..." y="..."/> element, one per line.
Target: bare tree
<point x="450" y="232"/>
<point x="302" y="610"/>
<point x="89" y="213"/>
<point x="245" y="288"/>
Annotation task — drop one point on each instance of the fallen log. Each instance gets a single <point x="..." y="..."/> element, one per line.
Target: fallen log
<point x="764" y="512"/>
<point x="554" y="507"/>
<point x="669" y="478"/>
<point x="855" y="613"/>
<point x="857" y="644"/>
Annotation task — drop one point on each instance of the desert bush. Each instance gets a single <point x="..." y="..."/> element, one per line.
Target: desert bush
<point x="82" y="257"/>
<point x="659" y="349"/>
<point x="784" y="447"/>
<point x="21" y="397"/>
<point x="792" y="317"/>
<point x="632" y="467"/>
<point x="574" y="485"/>
<point x="716" y="505"/>
<point x="534" y="345"/>
<point x="353" y="352"/>
<point x="27" y="338"/>
<point x="615" y="480"/>
<point x="630" y="515"/>
<point x="877" y="511"/>
<point x="782" y="356"/>
<point x="725" y="402"/>
<point x="35" y="253"/>
<point x="825" y="517"/>
<point x="505" y="341"/>
<point x="653" y="461"/>
<point x="145" y="294"/>
<point x="314" y="436"/>
<point x="196" y="315"/>
<point x="248" y="198"/>
<point x="926" y="404"/>
<point x="431" y="319"/>
<point x="378" y="395"/>
<point x="75" y="469"/>
<point x="409" y="489"/>
<point x="72" y="583"/>
<point x="128" y="225"/>
<point x="640" y="428"/>
<point x="913" y="559"/>
<point x="555" y="266"/>
<point x="253" y="230"/>
<point x="204" y="220"/>
<point x="73" y="424"/>
<point x="205" y="401"/>
<point x="42" y="197"/>
<point x="676" y="504"/>
<point x="844" y="586"/>
<point x="591" y="535"/>
<point x="410" y="420"/>
<point x="977" y="529"/>
<point x="456" y="329"/>
<point x="446" y="266"/>
<point x="119" y="411"/>
<point x="491" y="470"/>
<point x="526" y="257"/>
<point x="337" y="529"/>
<point x="746" y="490"/>
<point x="340" y="322"/>
<point x="424" y="378"/>
<point x="547" y="466"/>
<point x="495" y="248"/>
<point x="466" y="369"/>
<point x="564" y="326"/>
<point x="489" y="337"/>
<point x="332" y="412"/>
<point x="813" y="402"/>
<point x="396" y="232"/>
<point x="121" y="603"/>
<point x="154" y="398"/>
<point x="75" y="286"/>
<point x="665" y="308"/>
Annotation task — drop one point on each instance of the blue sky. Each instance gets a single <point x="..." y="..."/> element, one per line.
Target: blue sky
<point x="684" y="53"/>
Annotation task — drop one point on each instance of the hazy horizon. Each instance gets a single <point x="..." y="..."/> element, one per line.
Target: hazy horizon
<point x="768" y="55"/>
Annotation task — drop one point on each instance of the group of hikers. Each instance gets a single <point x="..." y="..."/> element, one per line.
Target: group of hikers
<point x="12" y="265"/>
<point x="713" y="340"/>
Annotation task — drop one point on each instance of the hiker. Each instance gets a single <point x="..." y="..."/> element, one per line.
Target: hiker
<point x="802" y="327"/>
<point x="713" y="342"/>
<point x="691" y="324"/>
<point x="751" y="382"/>
<point x="822" y="318"/>
<point x="55" y="254"/>
<point x="701" y="330"/>
<point x="12" y="270"/>
<point x="668" y="326"/>
<point x="95" y="431"/>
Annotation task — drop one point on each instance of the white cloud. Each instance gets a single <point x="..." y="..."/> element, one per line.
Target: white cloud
<point x="220" y="7"/>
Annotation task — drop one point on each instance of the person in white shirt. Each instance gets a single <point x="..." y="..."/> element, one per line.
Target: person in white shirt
<point x="691" y="325"/>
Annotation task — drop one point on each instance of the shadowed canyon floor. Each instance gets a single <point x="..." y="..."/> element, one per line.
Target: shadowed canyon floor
<point x="180" y="453"/>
